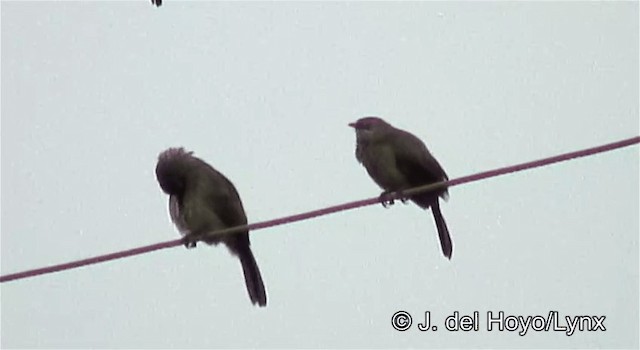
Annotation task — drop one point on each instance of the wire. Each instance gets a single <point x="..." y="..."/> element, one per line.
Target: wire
<point x="328" y="210"/>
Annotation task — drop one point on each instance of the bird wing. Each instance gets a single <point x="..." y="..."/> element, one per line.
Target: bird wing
<point x="232" y="212"/>
<point x="229" y="208"/>
<point x="415" y="162"/>
<point x="176" y="215"/>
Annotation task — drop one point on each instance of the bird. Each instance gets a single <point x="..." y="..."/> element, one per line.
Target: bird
<point x="398" y="160"/>
<point x="203" y="200"/>
<point x="158" y="3"/>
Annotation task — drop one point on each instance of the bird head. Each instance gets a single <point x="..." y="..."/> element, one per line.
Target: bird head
<point x="172" y="168"/>
<point x="367" y="127"/>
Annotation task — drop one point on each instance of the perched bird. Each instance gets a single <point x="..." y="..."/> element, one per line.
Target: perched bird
<point x="397" y="160"/>
<point x="156" y="2"/>
<point x="202" y="200"/>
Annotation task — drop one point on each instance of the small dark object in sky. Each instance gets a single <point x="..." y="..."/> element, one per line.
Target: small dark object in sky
<point x="156" y="2"/>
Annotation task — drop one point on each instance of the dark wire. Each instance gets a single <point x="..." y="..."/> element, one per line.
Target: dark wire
<point x="328" y="210"/>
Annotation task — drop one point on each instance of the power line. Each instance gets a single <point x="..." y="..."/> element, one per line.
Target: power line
<point x="329" y="210"/>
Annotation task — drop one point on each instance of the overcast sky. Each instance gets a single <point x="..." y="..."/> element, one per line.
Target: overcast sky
<point x="92" y="92"/>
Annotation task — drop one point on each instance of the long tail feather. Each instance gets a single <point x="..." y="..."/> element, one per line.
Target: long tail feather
<point x="443" y="231"/>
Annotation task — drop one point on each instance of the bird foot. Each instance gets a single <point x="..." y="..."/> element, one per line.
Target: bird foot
<point x="189" y="241"/>
<point x="404" y="199"/>
<point x="386" y="199"/>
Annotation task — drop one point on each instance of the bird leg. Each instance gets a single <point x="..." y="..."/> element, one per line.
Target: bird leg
<point x="386" y="198"/>
<point x="190" y="241"/>
<point x="403" y="198"/>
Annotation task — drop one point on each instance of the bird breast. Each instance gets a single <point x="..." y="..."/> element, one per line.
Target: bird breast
<point x="380" y="162"/>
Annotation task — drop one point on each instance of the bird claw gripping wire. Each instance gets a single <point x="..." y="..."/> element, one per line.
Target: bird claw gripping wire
<point x="403" y="198"/>
<point x="386" y="198"/>
<point x="189" y="241"/>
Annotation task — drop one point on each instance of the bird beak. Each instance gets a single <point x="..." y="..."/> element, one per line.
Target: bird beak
<point x="353" y="125"/>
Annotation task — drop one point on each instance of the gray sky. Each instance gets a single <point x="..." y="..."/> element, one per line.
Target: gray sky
<point x="92" y="92"/>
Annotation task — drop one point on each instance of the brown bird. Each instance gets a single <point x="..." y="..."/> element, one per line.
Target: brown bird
<point x="397" y="160"/>
<point x="202" y="200"/>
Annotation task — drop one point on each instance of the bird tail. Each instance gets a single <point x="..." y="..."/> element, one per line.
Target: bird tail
<point x="443" y="231"/>
<point x="252" y="277"/>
